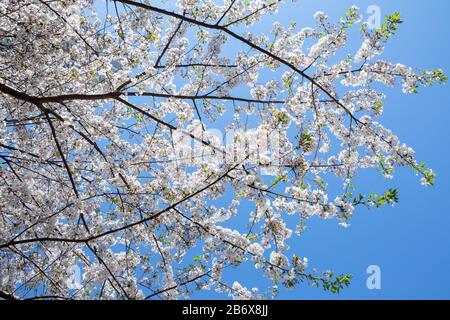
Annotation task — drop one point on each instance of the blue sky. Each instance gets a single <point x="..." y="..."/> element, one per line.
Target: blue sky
<point x="409" y="242"/>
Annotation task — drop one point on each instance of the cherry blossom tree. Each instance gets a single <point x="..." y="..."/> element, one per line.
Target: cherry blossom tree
<point x="109" y="167"/>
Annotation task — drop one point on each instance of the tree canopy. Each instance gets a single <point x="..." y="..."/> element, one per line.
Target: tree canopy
<point x="109" y="166"/>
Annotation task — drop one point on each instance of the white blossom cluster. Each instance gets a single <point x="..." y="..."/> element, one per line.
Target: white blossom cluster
<point x="96" y="174"/>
